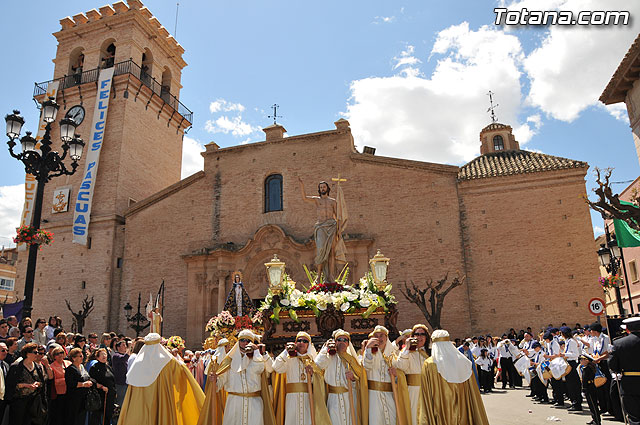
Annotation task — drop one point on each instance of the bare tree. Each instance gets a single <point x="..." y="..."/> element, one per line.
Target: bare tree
<point x="430" y="299"/>
<point x="80" y="316"/>
<point x="608" y="204"/>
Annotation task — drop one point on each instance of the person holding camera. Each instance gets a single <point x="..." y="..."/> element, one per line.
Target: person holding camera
<point x="339" y="361"/>
<point x="507" y="352"/>
<point x="410" y="362"/>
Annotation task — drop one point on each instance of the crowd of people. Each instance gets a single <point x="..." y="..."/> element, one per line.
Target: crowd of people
<point x="49" y="376"/>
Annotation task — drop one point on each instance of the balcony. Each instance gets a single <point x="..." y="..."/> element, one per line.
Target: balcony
<point x="121" y="68"/>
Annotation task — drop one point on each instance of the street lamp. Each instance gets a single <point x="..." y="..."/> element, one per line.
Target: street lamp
<point x="610" y="257"/>
<point x="44" y="164"/>
<point x="379" y="264"/>
<point x="138" y="321"/>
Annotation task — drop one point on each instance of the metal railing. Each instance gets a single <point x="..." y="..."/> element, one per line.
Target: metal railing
<point x="121" y="68"/>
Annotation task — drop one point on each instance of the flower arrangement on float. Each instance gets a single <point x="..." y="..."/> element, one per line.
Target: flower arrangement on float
<point x="224" y="325"/>
<point x="365" y="295"/>
<point x="32" y="236"/>
<point x="175" y="342"/>
<point x="610" y="281"/>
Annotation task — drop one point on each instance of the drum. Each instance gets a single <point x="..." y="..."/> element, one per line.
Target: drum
<point x="559" y="368"/>
<point x="600" y="379"/>
<point x="544" y="369"/>
<point x="540" y="372"/>
<point x="522" y="366"/>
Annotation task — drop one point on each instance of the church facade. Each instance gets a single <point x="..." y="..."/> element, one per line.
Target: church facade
<point x="513" y="222"/>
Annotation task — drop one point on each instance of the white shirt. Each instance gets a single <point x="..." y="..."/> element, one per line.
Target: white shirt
<point x="484" y="363"/>
<point x="601" y="344"/>
<point x="571" y="349"/>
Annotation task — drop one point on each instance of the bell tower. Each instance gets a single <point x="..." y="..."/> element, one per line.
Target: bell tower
<point x="497" y="137"/>
<point x="140" y="151"/>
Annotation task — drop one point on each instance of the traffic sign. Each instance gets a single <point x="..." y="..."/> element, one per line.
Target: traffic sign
<point x="596" y="306"/>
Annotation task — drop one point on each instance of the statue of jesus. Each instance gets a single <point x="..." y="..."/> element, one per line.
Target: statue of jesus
<point x="326" y="232"/>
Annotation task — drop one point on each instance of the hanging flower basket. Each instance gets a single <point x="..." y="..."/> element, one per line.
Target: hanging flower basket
<point x="611" y="281"/>
<point x="32" y="236"/>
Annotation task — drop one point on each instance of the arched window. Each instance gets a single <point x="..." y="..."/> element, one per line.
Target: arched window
<point x="76" y="65"/>
<point x="273" y="193"/>
<point x="108" y="54"/>
<point x="498" y="143"/>
<point x="146" y="68"/>
<point x="165" y="89"/>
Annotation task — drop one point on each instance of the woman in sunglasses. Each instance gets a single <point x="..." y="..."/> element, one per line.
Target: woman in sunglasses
<point x="25" y="389"/>
<point x="78" y="383"/>
<point x="58" y="394"/>
<point x="39" y="334"/>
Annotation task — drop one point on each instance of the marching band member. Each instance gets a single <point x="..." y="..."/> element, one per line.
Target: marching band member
<point x="507" y="353"/>
<point x="297" y="361"/>
<point x="484" y="370"/>
<point x="570" y="354"/>
<point x="410" y="362"/>
<point x="537" y="387"/>
<point x="339" y="361"/>
<point x="600" y="345"/>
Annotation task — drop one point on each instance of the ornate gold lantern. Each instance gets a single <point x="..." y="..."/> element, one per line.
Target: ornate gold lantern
<point x="275" y="273"/>
<point x="379" y="264"/>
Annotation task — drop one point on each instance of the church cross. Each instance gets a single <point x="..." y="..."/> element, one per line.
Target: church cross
<point x="275" y="113"/>
<point x="338" y="179"/>
<point x="492" y="107"/>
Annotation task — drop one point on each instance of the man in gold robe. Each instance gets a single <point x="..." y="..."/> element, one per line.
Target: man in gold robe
<point x="449" y="394"/>
<point x="161" y="389"/>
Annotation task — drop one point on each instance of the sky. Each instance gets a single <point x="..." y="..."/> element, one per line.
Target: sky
<point x="411" y="77"/>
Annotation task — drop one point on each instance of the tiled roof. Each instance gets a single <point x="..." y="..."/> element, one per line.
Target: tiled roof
<point x="623" y="78"/>
<point x="509" y="163"/>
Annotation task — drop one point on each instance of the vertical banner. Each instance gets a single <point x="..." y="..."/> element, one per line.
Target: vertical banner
<point x="82" y="212"/>
<point x="30" y="182"/>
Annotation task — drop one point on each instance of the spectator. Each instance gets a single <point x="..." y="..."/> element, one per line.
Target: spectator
<point x="39" y="333"/>
<point x="120" y="360"/>
<point x="81" y="342"/>
<point x="4" y="368"/>
<point x="12" y="321"/>
<point x="61" y="339"/>
<point x="102" y="374"/>
<point x="24" y="324"/>
<point x="12" y="345"/>
<point x="50" y="328"/>
<point x="14" y="332"/>
<point x="105" y="342"/>
<point x="137" y="345"/>
<point x="26" y="338"/>
<point x="78" y="383"/>
<point x="58" y="395"/>
<point x="71" y="338"/>
<point x="25" y="389"/>
<point x="4" y="329"/>
<point x="93" y="341"/>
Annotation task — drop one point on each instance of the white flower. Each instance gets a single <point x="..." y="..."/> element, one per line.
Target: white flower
<point x="299" y="302"/>
<point x="321" y="305"/>
<point x="285" y="302"/>
<point x="365" y="302"/>
<point x="351" y="296"/>
<point x="345" y="306"/>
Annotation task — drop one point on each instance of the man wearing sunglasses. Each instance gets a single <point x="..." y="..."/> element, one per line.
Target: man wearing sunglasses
<point x="240" y="374"/>
<point x="410" y="362"/>
<point x="339" y="361"/>
<point x="27" y="337"/>
<point x="296" y="361"/>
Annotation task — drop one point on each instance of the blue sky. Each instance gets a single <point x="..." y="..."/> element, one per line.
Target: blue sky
<point x="410" y="76"/>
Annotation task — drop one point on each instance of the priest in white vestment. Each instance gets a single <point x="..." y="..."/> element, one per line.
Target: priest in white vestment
<point x="410" y="362"/>
<point x="339" y="374"/>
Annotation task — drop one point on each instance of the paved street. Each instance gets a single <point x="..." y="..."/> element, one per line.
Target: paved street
<point x="511" y="407"/>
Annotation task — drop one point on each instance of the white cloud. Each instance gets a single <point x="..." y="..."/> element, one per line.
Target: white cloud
<point x="618" y="111"/>
<point x="524" y="132"/>
<point x="234" y="125"/>
<point x="11" y="202"/>
<point x="192" y="161"/>
<point x="438" y="118"/>
<point x="408" y="60"/>
<point x="598" y="230"/>
<point x="384" y="19"/>
<point x="573" y="64"/>
<point x="225" y="106"/>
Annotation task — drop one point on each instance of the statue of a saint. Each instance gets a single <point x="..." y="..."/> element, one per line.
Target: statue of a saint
<point x="327" y="231"/>
<point x="238" y="302"/>
<point x="154" y="315"/>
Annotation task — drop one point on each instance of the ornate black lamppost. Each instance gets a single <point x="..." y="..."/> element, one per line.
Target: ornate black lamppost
<point x="610" y="257"/>
<point x="43" y="163"/>
<point x="137" y="318"/>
